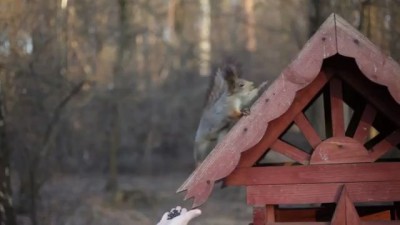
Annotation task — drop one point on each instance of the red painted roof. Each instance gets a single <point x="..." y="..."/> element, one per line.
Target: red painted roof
<point x="335" y="36"/>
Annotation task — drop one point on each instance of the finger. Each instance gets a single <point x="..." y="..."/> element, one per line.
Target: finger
<point x="192" y="214"/>
<point x="164" y="217"/>
<point x="183" y="211"/>
<point x="178" y="208"/>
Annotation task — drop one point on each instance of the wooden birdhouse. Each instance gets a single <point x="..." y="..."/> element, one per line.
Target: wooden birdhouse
<point x="345" y="172"/>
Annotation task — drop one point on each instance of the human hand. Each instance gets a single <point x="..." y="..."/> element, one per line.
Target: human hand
<point x="179" y="216"/>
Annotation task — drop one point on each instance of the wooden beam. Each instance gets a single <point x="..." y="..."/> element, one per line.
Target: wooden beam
<point x="385" y="145"/>
<point x="365" y="123"/>
<point x="375" y="94"/>
<point x="336" y="99"/>
<point x="307" y="129"/>
<point x="291" y="152"/>
<point x="276" y="127"/>
<point x="366" y="213"/>
<point x="361" y="172"/>
<point x="299" y="223"/>
<point x="322" y="193"/>
<point x="345" y="212"/>
<point x="328" y="223"/>
<point x="270" y="212"/>
<point x="259" y="215"/>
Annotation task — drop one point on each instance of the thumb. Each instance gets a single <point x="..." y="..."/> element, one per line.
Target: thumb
<point x="163" y="219"/>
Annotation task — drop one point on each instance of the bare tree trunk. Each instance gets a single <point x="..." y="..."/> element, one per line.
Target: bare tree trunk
<point x="112" y="183"/>
<point x="32" y="182"/>
<point x="205" y="39"/>
<point x="251" y="42"/>
<point x="7" y="215"/>
<point x="169" y="33"/>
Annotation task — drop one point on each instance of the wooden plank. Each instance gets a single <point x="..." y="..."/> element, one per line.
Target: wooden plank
<point x="380" y="222"/>
<point x="365" y="123"/>
<point x="328" y="223"/>
<point x="352" y="43"/>
<point x="336" y="99"/>
<point x="270" y="213"/>
<point x="259" y="215"/>
<point x="351" y="212"/>
<point x="396" y="211"/>
<point x="291" y="152"/>
<point x="366" y="213"/>
<point x="383" y="215"/>
<point x="327" y="111"/>
<point x="385" y="145"/>
<point x="320" y="46"/>
<point x="307" y="129"/>
<point x="339" y="150"/>
<point x="376" y="95"/>
<point x="296" y="214"/>
<point x="344" y="211"/>
<point x="299" y="223"/>
<point x="279" y="125"/>
<point x="322" y="193"/>
<point x="361" y="172"/>
<point x="390" y="74"/>
<point x="378" y="67"/>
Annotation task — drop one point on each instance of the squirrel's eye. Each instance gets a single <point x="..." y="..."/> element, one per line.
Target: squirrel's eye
<point x="241" y="85"/>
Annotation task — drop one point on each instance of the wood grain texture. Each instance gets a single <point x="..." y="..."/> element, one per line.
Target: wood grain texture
<point x="374" y="64"/>
<point x="365" y="123"/>
<point x="270" y="212"/>
<point x="376" y="96"/>
<point x="328" y="223"/>
<point x="385" y="145"/>
<point x="291" y="152"/>
<point x="336" y="100"/>
<point x="339" y="150"/>
<point x="322" y="193"/>
<point x="307" y="130"/>
<point x="339" y="216"/>
<point x="343" y="173"/>
<point x="259" y="215"/>
<point x="345" y="212"/>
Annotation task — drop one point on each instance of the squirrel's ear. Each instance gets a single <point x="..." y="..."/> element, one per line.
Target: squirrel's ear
<point x="230" y="75"/>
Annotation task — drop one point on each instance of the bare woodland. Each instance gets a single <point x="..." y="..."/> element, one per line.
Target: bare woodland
<point x="101" y="99"/>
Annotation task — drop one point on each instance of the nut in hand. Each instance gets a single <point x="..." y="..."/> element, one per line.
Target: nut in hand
<point x="173" y="213"/>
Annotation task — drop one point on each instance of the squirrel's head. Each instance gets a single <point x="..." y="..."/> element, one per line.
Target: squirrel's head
<point x="231" y="74"/>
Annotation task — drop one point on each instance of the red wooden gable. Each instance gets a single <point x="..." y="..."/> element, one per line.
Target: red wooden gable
<point x="336" y="57"/>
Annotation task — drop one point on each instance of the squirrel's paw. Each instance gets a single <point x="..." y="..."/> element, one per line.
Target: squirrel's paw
<point x="245" y="111"/>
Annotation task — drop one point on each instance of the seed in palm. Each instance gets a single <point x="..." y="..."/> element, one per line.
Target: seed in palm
<point x="173" y="213"/>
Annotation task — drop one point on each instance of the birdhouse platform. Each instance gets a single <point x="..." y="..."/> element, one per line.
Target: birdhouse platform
<point x="346" y="173"/>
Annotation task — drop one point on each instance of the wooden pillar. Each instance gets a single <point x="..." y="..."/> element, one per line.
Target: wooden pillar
<point x="259" y="215"/>
<point x="263" y="214"/>
<point x="395" y="212"/>
<point x="345" y="212"/>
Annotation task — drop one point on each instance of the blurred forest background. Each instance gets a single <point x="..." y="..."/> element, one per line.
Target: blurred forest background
<point x="101" y="99"/>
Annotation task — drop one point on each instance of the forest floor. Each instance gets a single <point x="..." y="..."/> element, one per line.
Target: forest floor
<point x="141" y="200"/>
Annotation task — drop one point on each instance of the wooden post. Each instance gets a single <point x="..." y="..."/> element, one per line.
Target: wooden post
<point x="270" y="212"/>
<point x="259" y="215"/>
<point x="263" y="214"/>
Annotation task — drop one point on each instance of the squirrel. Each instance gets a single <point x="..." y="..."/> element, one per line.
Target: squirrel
<point x="228" y="100"/>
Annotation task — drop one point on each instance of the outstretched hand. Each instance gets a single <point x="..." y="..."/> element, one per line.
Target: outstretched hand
<point x="179" y="216"/>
